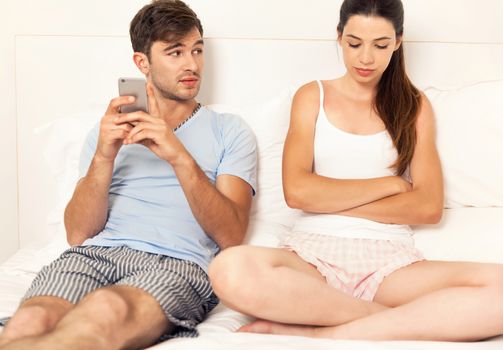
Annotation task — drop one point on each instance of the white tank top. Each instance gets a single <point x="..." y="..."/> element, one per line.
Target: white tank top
<point x="343" y="155"/>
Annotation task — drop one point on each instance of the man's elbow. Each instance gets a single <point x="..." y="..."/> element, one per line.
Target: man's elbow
<point x="231" y="242"/>
<point x="235" y="236"/>
<point x="76" y="236"/>
<point x="73" y="241"/>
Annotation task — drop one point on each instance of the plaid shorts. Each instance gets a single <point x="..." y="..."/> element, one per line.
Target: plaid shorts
<point x="354" y="266"/>
<point x="181" y="287"/>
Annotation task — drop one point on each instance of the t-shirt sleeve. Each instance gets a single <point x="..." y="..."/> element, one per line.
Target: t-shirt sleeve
<point x="240" y="151"/>
<point x="88" y="150"/>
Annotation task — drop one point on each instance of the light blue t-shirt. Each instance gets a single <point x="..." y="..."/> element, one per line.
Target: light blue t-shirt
<point x="148" y="210"/>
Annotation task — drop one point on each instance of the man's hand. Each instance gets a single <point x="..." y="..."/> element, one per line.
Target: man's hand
<point x="152" y="131"/>
<point x="112" y="133"/>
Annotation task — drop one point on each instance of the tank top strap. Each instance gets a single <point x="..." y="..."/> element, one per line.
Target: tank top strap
<point x="322" y="96"/>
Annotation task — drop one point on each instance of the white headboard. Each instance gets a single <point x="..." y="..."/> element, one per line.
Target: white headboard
<point x="63" y="57"/>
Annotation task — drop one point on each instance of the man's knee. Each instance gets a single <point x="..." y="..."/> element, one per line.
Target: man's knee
<point x="111" y="306"/>
<point x="37" y="316"/>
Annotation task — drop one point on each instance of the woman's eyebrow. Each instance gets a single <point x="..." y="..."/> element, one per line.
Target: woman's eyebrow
<point x="377" y="39"/>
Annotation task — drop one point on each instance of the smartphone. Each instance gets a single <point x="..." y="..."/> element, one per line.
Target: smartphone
<point x="134" y="87"/>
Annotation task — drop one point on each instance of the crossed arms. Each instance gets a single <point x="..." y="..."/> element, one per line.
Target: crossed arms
<point x="388" y="199"/>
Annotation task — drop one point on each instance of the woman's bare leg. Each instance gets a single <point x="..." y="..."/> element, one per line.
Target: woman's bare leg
<point x="437" y="301"/>
<point x="277" y="285"/>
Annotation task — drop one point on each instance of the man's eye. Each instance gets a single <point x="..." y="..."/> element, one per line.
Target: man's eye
<point x="198" y="51"/>
<point x="175" y="53"/>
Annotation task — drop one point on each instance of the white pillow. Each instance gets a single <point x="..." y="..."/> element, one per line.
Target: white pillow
<point x="470" y="143"/>
<point x="464" y="234"/>
<point x="269" y="121"/>
<point x="65" y="138"/>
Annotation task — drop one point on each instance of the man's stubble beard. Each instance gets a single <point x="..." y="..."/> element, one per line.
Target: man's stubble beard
<point x="170" y="95"/>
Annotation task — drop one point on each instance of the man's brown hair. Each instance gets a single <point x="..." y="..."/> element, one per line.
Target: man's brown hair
<point x="166" y="20"/>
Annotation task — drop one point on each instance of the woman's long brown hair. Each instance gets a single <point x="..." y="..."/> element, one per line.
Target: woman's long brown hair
<point x="397" y="100"/>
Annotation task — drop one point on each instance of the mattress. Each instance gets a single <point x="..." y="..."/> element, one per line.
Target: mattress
<point x="465" y="226"/>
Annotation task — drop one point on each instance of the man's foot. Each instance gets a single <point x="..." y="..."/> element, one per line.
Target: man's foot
<point x="268" y="327"/>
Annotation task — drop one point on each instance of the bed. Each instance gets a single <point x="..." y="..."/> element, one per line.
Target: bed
<point x="62" y="69"/>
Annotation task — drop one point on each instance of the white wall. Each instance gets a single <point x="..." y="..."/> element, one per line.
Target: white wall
<point x="8" y="152"/>
<point x="68" y="43"/>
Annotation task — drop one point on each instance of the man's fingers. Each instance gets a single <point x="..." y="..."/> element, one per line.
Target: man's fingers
<point x="138" y="129"/>
<point x="116" y="103"/>
<point x="126" y="127"/>
<point x="140" y="136"/>
<point x="153" y="106"/>
<point x="133" y="118"/>
<point x="118" y="134"/>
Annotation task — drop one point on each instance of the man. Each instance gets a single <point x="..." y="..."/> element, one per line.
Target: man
<point x="161" y="192"/>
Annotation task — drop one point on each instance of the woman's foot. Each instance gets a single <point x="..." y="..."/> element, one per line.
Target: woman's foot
<point x="268" y="327"/>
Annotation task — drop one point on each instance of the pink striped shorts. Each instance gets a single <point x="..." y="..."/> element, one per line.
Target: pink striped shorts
<point x="353" y="265"/>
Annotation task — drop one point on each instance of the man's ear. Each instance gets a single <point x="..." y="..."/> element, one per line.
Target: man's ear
<point x="141" y="61"/>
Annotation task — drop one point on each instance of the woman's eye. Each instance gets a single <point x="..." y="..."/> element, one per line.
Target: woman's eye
<point x="354" y="46"/>
<point x="382" y="47"/>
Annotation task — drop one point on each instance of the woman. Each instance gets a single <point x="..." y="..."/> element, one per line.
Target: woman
<point x="360" y="160"/>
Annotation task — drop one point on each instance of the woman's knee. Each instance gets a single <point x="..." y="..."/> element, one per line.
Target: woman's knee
<point x="232" y="271"/>
<point x="494" y="278"/>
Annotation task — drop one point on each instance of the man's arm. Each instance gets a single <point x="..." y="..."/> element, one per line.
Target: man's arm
<point x="222" y="209"/>
<point x="86" y="213"/>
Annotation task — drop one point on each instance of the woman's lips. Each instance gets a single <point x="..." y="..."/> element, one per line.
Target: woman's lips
<point x="364" y="72"/>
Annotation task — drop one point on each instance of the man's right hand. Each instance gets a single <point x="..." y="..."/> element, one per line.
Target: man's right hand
<point x="111" y="134"/>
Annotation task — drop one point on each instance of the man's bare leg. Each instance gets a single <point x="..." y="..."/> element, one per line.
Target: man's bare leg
<point x="36" y="316"/>
<point x="115" y="317"/>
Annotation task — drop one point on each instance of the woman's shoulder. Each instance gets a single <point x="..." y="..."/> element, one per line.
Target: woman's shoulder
<point x="312" y="89"/>
<point x="307" y="97"/>
<point x="307" y="90"/>
<point x="426" y="116"/>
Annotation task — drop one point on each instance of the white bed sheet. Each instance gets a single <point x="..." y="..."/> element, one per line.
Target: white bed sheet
<point x="15" y="280"/>
<point x="273" y="342"/>
<point x="468" y="226"/>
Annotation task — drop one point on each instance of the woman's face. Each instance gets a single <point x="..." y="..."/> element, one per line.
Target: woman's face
<point x="368" y="42"/>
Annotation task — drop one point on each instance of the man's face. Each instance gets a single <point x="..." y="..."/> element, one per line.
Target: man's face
<point x="176" y="67"/>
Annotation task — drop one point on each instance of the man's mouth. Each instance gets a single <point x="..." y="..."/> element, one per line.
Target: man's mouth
<point x="189" y="81"/>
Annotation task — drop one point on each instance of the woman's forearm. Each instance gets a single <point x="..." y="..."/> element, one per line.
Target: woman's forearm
<point x="318" y="194"/>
